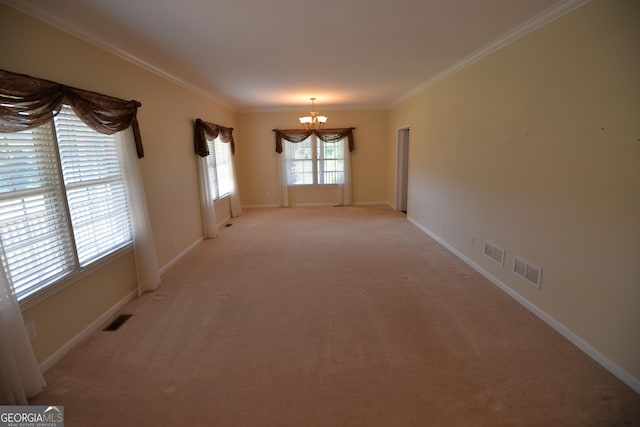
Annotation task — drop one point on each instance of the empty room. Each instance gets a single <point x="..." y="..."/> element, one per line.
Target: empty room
<point x="279" y="213"/>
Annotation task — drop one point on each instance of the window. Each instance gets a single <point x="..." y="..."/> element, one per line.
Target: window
<point x="63" y="204"/>
<point x="314" y="161"/>
<point x="219" y="168"/>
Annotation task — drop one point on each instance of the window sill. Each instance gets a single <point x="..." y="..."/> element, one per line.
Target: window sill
<point x="42" y="294"/>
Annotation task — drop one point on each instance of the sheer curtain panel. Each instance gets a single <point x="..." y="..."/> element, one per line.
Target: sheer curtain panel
<point x="209" y="217"/>
<point x="20" y="376"/>
<point x="143" y="242"/>
<point x="344" y="190"/>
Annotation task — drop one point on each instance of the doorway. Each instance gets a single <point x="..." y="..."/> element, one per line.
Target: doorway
<point x="402" y="168"/>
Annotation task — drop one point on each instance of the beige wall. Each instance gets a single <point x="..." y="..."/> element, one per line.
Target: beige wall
<point x="536" y="148"/>
<point x="256" y="158"/>
<point x="169" y="167"/>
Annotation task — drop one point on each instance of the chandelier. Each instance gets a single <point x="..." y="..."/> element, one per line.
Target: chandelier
<point x="314" y="121"/>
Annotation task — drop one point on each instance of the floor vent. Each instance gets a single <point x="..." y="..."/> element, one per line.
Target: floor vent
<point x="117" y="322"/>
<point x="527" y="271"/>
<point x="494" y="252"/>
<point x="228" y="225"/>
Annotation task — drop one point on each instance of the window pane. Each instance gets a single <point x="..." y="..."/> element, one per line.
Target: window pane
<point x="330" y="162"/>
<point x="95" y="190"/>
<point x="34" y="235"/>
<point x="299" y="162"/>
<point x="301" y="172"/>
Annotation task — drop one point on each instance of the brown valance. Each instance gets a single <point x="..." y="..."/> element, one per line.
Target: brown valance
<point x="203" y="130"/>
<point x="27" y="102"/>
<point x="327" y="135"/>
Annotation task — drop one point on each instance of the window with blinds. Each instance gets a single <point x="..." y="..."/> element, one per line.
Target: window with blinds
<point x="34" y="229"/>
<point x="219" y="168"/>
<point x="94" y="188"/>
<point x="62" y="202"/>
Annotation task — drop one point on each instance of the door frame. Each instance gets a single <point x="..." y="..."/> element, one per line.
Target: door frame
<point x="402" y="167"/>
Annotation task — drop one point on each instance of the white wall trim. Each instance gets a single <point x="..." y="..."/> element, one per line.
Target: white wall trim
<point x="307" y="205"/>
<point x="224" y="221"/>
<point x="180" y="256"/>
<point x="540" y="20"/>
<point x="50" y="17"/>
<point x="370" y="203"/>
<point x="259" y="206"/>
<point x="321" y="204"/>
<point x="587" y="348"/>
<point x="93" y="326"/>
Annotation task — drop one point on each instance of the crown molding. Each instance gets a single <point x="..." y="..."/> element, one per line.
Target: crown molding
<point x="49" y="17"/>
<point x="540" y="20"/>
<point x="301" y="108"/>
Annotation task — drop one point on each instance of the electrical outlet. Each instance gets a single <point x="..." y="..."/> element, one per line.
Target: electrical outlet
<point x="31" y="330"/>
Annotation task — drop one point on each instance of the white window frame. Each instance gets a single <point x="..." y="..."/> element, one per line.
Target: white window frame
<point x="39" y="290"/>
<point x="317" y="161"/>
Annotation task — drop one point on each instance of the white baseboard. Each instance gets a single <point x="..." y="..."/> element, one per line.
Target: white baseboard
<point x="310" y="205"/>
<point x="320" y="204"/>
<point x="224" y="221"/>
<point x="259" y="206"/>
<point x="587" y="348"/>
<point x="370" y="203"/>
<point x="55" y="357"/>
<point x="180" y="256"/>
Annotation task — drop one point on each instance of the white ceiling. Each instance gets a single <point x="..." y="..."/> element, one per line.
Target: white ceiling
<point x="275" y="54"/>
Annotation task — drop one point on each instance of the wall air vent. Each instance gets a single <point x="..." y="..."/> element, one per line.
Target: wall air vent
<point x="527" y="271"/>
<point x="494" y="252"/>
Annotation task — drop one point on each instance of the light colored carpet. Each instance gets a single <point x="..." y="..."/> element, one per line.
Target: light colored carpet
<point x="331" y="317"/>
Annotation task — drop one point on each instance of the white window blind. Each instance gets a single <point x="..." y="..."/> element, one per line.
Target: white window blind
<point x="94" y="188"/>
<point x="212" y="170"/>
<point x="223" y="166"/>
<point x="34" y="230"/>
<point x="219" y="168"/>
<point x="62" y="202"/>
